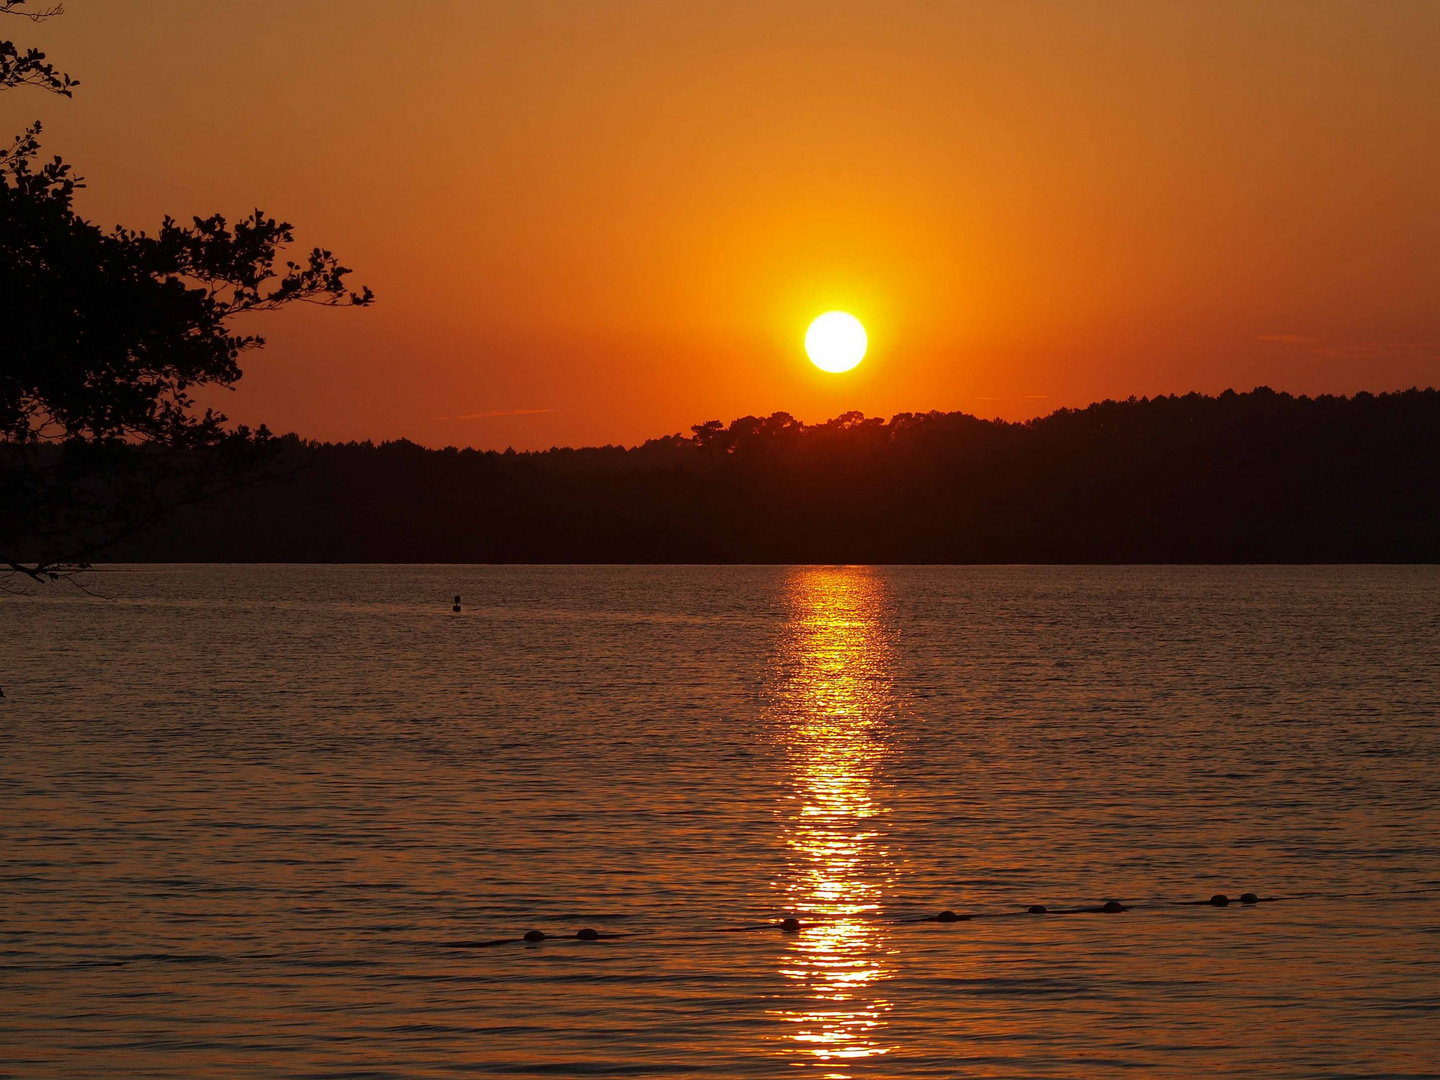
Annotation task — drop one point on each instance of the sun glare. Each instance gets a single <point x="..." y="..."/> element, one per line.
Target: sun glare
<point x="835" y="341"/>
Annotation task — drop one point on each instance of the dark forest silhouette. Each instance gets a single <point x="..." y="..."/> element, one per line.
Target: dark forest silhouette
<point x="1253" y="477"/>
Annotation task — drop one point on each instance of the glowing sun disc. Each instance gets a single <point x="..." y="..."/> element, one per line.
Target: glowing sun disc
<point x="835" y="342"/>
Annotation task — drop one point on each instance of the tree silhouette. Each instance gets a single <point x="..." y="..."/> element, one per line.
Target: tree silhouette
<point x="30" y="67"/>
<point x="107" y="335"/>
<point x="1253" y="477"/>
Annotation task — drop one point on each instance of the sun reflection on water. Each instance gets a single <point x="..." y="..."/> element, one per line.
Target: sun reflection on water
<point x="834" y="692"/>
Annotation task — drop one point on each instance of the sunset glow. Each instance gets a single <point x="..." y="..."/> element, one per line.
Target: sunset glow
<point x="619" y="537"/>
<point x="836" y="342"/>
<point x="611" y="223"/>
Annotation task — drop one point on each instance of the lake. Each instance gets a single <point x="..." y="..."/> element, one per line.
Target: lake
<point x="249" y="815"/>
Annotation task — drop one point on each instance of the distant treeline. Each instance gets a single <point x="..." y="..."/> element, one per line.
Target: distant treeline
<point x="1255" y="477"/>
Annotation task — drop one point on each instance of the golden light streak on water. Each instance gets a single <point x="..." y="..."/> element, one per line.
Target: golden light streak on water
<point x="835" y="695"/>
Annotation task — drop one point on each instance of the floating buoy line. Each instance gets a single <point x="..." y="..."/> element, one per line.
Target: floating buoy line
<point x="792" y="925"/>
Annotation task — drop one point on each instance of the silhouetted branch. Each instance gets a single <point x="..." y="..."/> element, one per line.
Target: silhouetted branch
<point x="12" y="7"/>
<point x="30" y="68"/>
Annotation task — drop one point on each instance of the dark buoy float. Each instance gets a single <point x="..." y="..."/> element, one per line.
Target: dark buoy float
<point x="534" y="935"/>
<point x="587" y="933"/>
<point x="1037" y="909"/>
<point x="947" y="916"/>
<point x="1249" y="898"/>
<point x="1219" y="900"/>
<point x="1112" y="907"/>
<point x="790" y="926"/>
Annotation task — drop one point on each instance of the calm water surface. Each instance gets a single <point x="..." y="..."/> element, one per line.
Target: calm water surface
<point x="246" y="812"/>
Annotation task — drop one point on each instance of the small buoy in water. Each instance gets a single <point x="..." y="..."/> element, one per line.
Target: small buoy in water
<point x="1112" y="906"/>
<point x="456" y="608"/>
<point x="1037" y="909"/>
<point x="790" y="926"/>
<point x="1219" y="900"/>
<point x="587" y="933"/>
<point x="947" y="916"/>
<point x="1249" y="898"/>
<point x="534" y="935"/>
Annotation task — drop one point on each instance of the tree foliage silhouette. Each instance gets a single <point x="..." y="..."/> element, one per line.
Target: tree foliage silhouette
<point x="30" y="68"/>
<point x="107" y="336"/>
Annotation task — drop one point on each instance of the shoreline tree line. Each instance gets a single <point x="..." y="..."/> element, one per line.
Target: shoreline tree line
<point x="1242" y="477"/>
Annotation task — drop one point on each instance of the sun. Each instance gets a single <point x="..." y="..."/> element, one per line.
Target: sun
<point x="836" y="341"/>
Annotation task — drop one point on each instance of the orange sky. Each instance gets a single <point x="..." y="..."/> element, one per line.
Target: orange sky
<point x="598" y="222"/>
